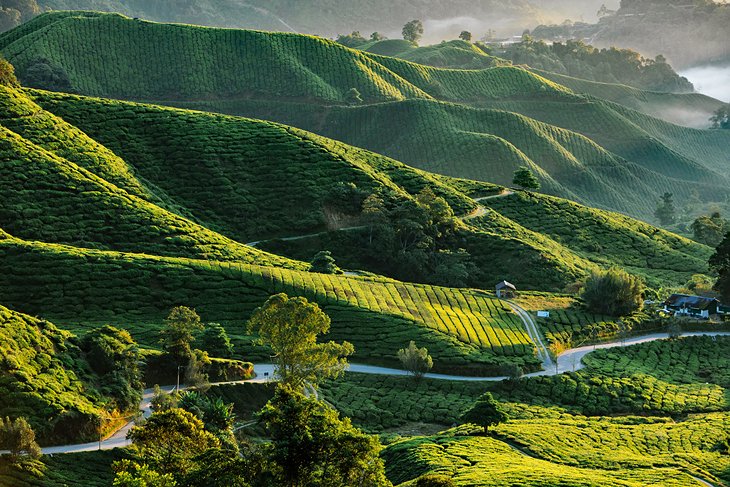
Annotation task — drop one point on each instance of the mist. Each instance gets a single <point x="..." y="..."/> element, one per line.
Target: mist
<point x="713" y="81"/>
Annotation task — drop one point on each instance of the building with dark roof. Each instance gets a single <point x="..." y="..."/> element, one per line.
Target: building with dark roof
<point x="505" y="290"/>
<point x="694" y="306"/>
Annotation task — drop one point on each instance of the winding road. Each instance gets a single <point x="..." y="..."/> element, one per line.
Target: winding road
<point x="571" y="360"/>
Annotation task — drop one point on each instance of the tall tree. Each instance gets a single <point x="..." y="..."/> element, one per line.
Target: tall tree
<point x="526" y="179"/>
<point x="215" y="341"/>
<point x="311" y="445"/>
<point x="415" y="360"/>
<point x="178" y="333"/>
<point x="486" y="412"/>
<point x="666" y="212"/>
<point x="720" y="263"/>
<point x="7" y="74"/>
<point x="169" y="441"/>
<point x="710" y="230"/>
<point x="614" y="292"/>
<point x="115" y="357"/>
<point x="18" y="438"/>
<point x="290" y="326"/>
<point x="413" y="31"/>
<point x="721" y="118"/>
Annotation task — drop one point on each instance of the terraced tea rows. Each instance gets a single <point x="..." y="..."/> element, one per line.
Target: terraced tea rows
<point x="464" y="330"/>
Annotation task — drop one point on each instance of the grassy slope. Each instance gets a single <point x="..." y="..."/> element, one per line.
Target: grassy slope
<point x="463" y="329"/>
<point x="41" y="378"/>
<point x="315" y="74"/>
<point x="223" y="150"/>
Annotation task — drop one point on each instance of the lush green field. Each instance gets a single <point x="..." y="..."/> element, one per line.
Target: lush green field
<point x="465" y="330"/>
<point x="483" y="460"/>
<point x="91" y="469"/>
<point x="666" y="378"/>
<point x="629" y="159"/>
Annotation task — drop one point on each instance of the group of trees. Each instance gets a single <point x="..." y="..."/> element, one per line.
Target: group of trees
<point x="721" y="118"/>
<point x="710" y="229"/>
<point x="720" y="263"/>
<point x="413" y="240"/>
<point x="18" y="439"/>
<point x="188" y="441"/>
<point x="15" y="12"/>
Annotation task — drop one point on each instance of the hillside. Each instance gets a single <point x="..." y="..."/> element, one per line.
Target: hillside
<point x="43" y="378"/>
<point x="463" y="329"/>
<point x="222" y="148"/>
<point x="411" y="112"/>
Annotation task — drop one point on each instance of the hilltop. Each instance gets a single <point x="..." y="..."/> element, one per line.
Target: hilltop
<point x="476" y="124"/>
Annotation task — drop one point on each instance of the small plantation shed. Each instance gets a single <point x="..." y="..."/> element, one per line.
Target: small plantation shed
<point x="694" y="306"/>
<point x="505" y="290"/>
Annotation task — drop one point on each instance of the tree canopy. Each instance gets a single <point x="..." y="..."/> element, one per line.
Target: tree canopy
<point x="525" y="178"/>
<point x="178" y="333"/>
<point x="486" y="412"/>
<point x="614" y="292"/>
<point x="666" y="213"/>
<point x="311" y="445"/>
<point x="413" y="31"/>
<point x="721" y="118"/>
<point x="7" y="74"/>
<point x="290" y="326"/>
<point x="720" y="263"/>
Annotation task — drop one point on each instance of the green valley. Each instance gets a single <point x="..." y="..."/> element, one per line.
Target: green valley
<point x="243" y="258"/>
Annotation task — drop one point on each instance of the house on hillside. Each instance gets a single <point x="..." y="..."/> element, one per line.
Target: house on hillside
<point x="505" y="290"/>
<point x="692" y="306"/>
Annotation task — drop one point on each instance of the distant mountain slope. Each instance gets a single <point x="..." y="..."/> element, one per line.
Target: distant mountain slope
<point x="630" y="159"/>
<point x="232" y="173"/>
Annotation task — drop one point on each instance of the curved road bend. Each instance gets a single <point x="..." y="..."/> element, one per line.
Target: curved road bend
<point x="568" y="361"/>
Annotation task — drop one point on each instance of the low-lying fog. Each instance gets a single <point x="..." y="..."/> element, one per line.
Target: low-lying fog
<point x="713" y="81"/>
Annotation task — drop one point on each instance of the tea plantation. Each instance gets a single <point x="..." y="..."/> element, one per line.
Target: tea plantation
<point x="584" y="147"/>
<point x="464" y="330"/>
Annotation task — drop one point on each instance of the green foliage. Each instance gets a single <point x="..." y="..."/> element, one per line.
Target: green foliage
<point x="216" y="415"/>
<point x="7" y="74"/>
<point x="486" y="412"/>
<point x="352" y="40"/>
<point x="132" y="474"/>
<point x="324" y="263"/>
<point x="434" y="480"/>
<point x="311" y="445"/>
<point x="576" y="59"/>
<point x="18" y="438"/>
<point x="415" y="360"/>
<point x="665" y="212"/>
<point x="169" y="440"/>
<point x="46" y="379"/>
<point x="413" y="31"/>
<point x="178" y="333"/>
<point x="613" y="292"/>
<point x="465" y="36"/>
<point x="720" y="263"/>
<point x="524" y="178"/>
<point x="114" y="357"/>
<point x="721" y="118"/>
<point x="291" y="326"/>
<point x="710" y="230"/>
<point x="215" y="341"/>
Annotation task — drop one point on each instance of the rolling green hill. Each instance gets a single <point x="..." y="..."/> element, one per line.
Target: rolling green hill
<point x="583" y="147"/>
<point x="209" y="188"/>
<point x="465" y="330"/>
<point x="42" y="378"/>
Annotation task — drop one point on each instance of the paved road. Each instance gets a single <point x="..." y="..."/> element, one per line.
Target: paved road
<point x="535" y="335"/>
<point x="571" y="360"/>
